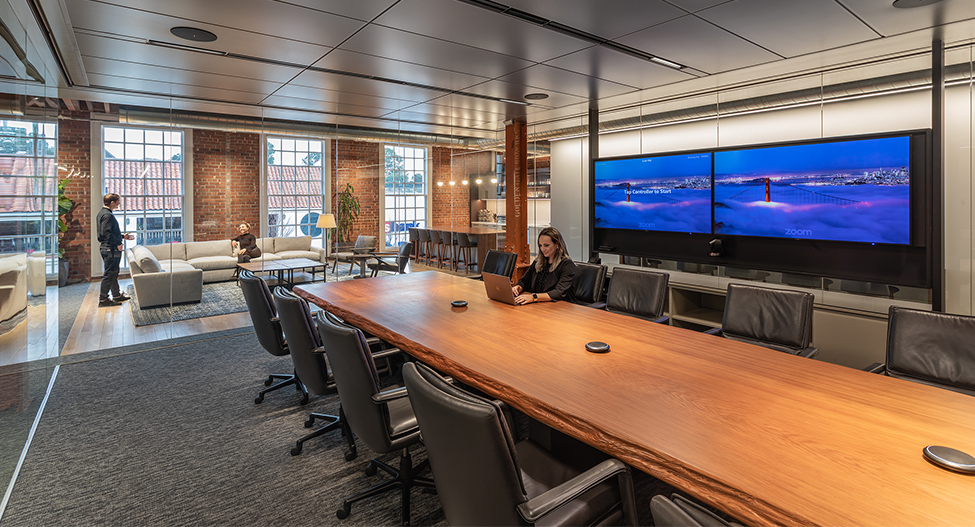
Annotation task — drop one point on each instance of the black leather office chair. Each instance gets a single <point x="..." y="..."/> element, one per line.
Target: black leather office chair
<point x="772" y="318"/>
<point x="587" y="284"/>
<point x="393" y="263"/>
<point x="269" y="333"/>
<point x="930" y="348"/>
<point x="499" y="262"/>
<point x="678" y="511"/>
<point x="484" y="478"/>
<point x="312" y="368"/>
<point x="637" y="293"/>
<point x="383" y="419"/>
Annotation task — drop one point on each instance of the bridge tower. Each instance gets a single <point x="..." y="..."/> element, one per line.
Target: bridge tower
<point x="768" y="193"/>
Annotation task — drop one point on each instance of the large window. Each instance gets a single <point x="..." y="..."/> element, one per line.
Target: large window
<point x="28" y="188"/>
<point x="294" y="187"/>
<point x="145" y="167"/>
<point x="405" y="190"/>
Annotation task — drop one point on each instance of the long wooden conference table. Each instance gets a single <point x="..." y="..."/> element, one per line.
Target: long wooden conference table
<point x="770" y="438"/>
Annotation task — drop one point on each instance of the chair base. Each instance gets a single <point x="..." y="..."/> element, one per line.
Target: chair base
<point x="405" y="479"/>
<point x="335" y="422"/>
<point x="287" y="380"/>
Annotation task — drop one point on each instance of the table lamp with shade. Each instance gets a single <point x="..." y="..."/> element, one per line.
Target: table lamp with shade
<point x="326" y="222"/>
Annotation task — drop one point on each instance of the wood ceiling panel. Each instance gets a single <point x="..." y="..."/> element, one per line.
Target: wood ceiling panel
<point x="186" y="77"/>
<point x="889" y="20"/>
<point x="606" y="18"/>
<point x="790" y="28"/>
<point x="258" y="17"/>
<point x="695" y="43"/>
<point x="426" y="51"/>
<point x="171" y="89"/>
<point x="106" y="19"/>
<point x="472" y="26"/>
<point x="394" y="69"/>
<point x="606" y="64"/>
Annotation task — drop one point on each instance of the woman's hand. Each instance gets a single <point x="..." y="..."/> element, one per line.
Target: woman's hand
<point x="233" y="243"/>
<point x="242" y="251"/>
<point x="526" y="298"/>
<point x="516" y="290"/>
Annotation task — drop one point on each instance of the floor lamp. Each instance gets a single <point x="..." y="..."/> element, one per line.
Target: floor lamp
<point x="325" y="222"/>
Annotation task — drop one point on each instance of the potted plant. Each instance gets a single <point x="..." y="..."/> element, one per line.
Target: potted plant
<point x="65" y="206"/>
<point x="346" y="212"/>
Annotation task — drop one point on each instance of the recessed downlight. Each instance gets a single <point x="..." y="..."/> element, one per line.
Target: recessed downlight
<point x="906" y="4"/>
<point x="193" y="33"/>
<point x="536" y="96"/>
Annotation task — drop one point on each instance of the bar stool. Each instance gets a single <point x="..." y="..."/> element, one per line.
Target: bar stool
<point x="464" y="245"/>
<point x="436" y="245"/>
<point x="424" y="243"/>
<point x="447" y="238"/>
<point x="414" y="236"/>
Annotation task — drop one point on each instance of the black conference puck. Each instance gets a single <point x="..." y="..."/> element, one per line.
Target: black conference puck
<point x="597" y="347"/>
<point x="459" y="303"/>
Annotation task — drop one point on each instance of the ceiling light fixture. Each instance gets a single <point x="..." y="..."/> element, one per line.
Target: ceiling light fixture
<point x="477" y="181"/>
<point x="184" y="47"/>
<point x="536" y="96"/>
<point x="523" y="103"/>
<point x="464" y="182"/>
<point x="452" y="183"/>
<point x="193" y="33"/>
<point x="439" y="183"/>
<point x="665" y="62"/>
<point x="907" y="4"/>
<point x="494" y="180"/>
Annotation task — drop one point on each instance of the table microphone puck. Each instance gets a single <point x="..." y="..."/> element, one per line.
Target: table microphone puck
<point x="459" y="303"/>
<point x="950" y="459"/>
<point x="597" y="347"/>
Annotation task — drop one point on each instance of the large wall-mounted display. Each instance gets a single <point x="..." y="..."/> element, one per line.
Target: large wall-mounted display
<point x="849" y="207"/>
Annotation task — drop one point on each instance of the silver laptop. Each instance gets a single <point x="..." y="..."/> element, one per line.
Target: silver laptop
<point x="498" y="288"/>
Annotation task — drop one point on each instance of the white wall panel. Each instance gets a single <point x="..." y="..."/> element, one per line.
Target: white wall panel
<point x="958" y="200"/>
<point x="770" y="127"/>
<point x="570" y="194"/>
<point x="618" y="144"/>
<point x="687" y="136"/>
<point x="902" y="111"/>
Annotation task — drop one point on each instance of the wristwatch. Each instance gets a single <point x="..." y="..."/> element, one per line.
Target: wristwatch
<point x="535" y="296"/>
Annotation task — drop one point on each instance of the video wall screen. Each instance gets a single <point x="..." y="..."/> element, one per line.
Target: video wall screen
<point x="661" y="193"/>
<point x="857" y="191"/>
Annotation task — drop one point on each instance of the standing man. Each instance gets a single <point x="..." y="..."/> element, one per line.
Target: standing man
<point x="110" y="238"/>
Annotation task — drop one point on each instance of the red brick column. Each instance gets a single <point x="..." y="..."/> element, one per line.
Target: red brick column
<point x="360" y="163"/>
<point x="226" y="183"/>
<point x="74" y="155"/>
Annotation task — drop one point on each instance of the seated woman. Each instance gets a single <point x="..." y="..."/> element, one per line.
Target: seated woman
<point x="245" y="244"/>
<point x="550" y="276"/>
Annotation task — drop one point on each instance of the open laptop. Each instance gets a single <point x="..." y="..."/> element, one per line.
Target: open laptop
<point x="498" y="287"/>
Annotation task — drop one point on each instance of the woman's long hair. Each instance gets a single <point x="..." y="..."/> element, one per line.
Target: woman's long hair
<point x="560" y="254"/>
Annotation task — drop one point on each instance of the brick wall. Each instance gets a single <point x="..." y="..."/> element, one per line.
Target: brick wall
<point x="450" y="205"/>
<point x="359" y="163"/>
<point x="74" y="155"/>
<point x="226" y="183"/>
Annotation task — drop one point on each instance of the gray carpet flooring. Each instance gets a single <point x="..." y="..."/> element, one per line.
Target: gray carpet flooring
<point x="170" y="434"/>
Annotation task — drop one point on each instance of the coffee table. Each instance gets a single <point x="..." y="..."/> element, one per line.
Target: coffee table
<point x="288" y="265"/>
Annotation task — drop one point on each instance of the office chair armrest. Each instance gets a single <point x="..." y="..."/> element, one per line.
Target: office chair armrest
<point x="386" y="254"/>
<point x="390" y="395"/>
<point x="809" y="352"/>
<point x="275" y="320"/>
<point x="362" y="251"/>
<point x="536" y="508"/>
<point x="662" y="320"/>
<point x="877" y="367"/>
<point x="713" y="331"/>
<point x="597" y="305"/>
<point x="382" y="354"/>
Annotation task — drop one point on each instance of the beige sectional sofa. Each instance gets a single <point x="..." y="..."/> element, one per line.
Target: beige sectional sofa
<point x="176" y="272"/>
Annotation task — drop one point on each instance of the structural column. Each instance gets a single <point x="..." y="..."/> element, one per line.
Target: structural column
<point x="516" y="198"/>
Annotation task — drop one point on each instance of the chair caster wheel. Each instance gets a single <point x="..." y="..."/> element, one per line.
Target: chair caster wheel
<point x="304" y="399"/>
<point x="343" y="513"/>
<point x="351" y="455"/>
<point x="259" y="399"/>
<point x="295" y="450"/>
<point x="371" y="470"/>
<point x="309" y="422"/>
<point x="268" y="381"/>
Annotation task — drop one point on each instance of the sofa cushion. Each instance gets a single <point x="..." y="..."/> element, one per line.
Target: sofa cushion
<point x="175" y="266"/>
<point x="214" y="248"/>
<point x="311" y="255"/>
<point x="297" y="243"/>
<point x="146" y="261"/>
<point x="266" y="245"/>
<point x="13" y="261"/>
<point x="213" y="262"/>
<point x="266" y="257"/>
<point x="168" y="251"/>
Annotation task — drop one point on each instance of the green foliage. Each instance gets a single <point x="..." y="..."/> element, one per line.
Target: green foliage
<point x="65" y="206"/>
<point x="346" y="212"/>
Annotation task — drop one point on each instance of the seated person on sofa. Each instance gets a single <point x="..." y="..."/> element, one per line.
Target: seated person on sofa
<point x="245" y="244"/>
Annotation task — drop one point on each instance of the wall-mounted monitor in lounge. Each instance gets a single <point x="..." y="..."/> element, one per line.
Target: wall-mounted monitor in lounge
<point x="852" y="191"/>
<point x="658" y="193"/>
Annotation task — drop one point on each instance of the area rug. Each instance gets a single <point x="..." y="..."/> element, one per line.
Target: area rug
<point x="219" y="298"/>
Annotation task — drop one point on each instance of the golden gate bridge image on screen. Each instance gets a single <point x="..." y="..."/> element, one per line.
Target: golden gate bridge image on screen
<point x="765" y="190"/>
